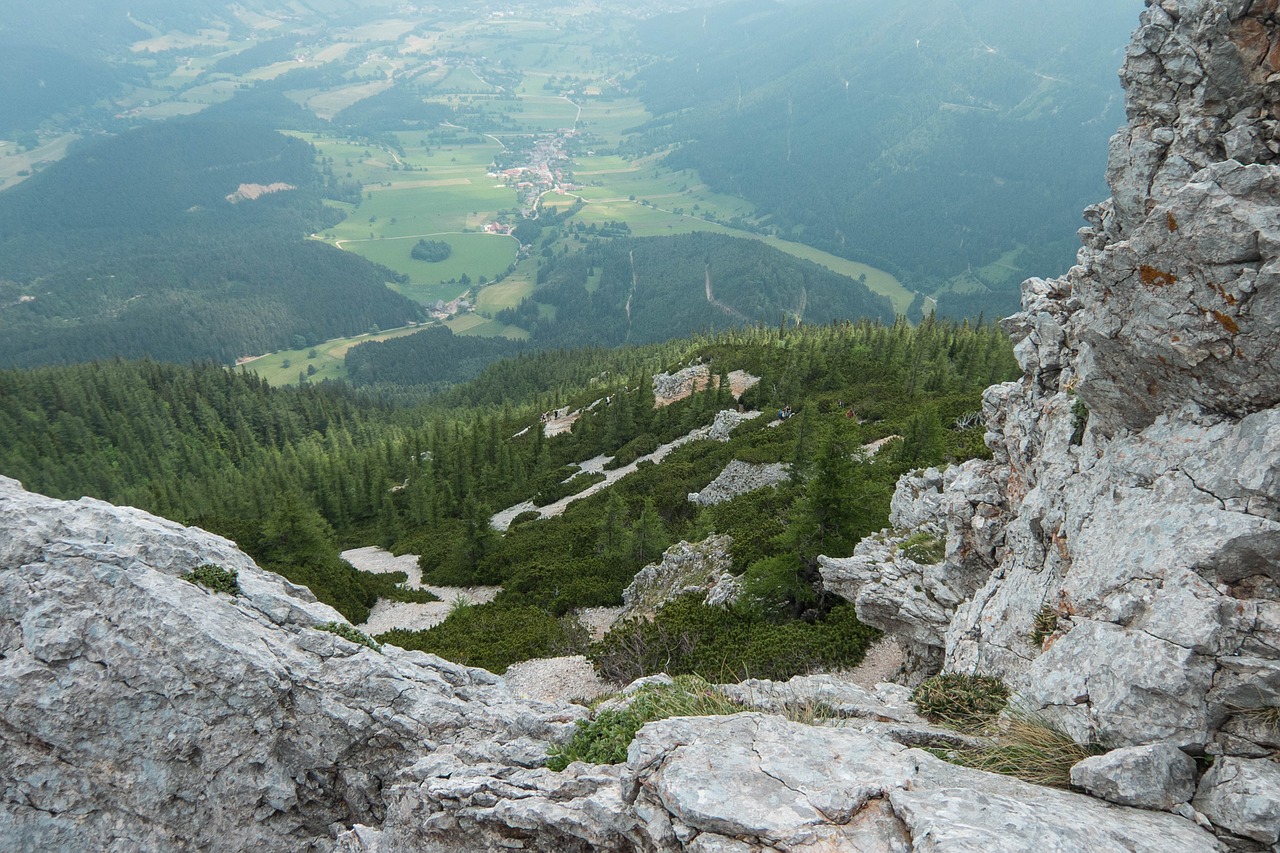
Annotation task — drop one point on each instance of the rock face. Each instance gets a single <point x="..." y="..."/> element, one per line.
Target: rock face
<point x="1118" y="562"/>
<point x="702" y="567"/>
<point x="754" y="782"/>
<point x="139" y="711"/>
<point x="738" y="478"/>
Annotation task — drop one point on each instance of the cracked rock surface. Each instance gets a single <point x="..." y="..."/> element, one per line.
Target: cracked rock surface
<point x="1118" y="561"/>
<point x="139" y="711"/>
<point x="754" y="782"/>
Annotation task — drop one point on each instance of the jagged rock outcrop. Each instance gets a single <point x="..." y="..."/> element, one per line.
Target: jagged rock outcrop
<point x="754" y="782"/>
<point x="738" y="478"/>
<point x="1125" y="580"/>
<point x="686" y="567"/>
<point x="139" y="711"/>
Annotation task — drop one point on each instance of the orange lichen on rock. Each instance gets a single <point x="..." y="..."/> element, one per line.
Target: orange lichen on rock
<point x="1226" y="322"/>
<point x="1171" y="221"/>
<point x="1156" y="278"/>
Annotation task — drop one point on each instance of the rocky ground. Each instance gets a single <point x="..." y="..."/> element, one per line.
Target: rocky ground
<point x="386" y="615"/>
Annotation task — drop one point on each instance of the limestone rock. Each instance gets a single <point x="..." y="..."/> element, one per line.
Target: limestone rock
<point x="701" y="567"/>
<point x="738" y="478"/>
<point x="1116" y="562"/>
<point x="1243" y="796"/>
<point x="1155" y="776"/>
<point x="670" y="387"/>
<point x="754" y="782"/>
<point x="141" y="711"/>
<point x="909" y="580"/>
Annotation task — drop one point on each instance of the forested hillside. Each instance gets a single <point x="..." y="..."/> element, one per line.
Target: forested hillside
<point x="633" y="291"/>
<point x="291" y="474"/>
<point x="144" y="244"/>
<point x="953" y="144"/>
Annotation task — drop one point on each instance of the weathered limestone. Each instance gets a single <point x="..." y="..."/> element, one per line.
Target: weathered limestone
<point x="140" y="711"/>
<point x="738" y="478"/>
<point x="1118" y="561"/>
<point x="754" y="782"/>
<point x="1156" y="776"/>
<point x="1243" y="796"/>
<point x="701" y="567"/>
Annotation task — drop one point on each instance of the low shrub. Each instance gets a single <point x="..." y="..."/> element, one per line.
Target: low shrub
<point x="964" y="702"/>
<point x="687" y="637"/>
<point x="605" y="738"/>
<point x="215" y="578"/>
<point x="924" y="548"/>
<point x="641" y="445"/>
<point x="492" y="636"/>
<point x="346" y="632"/>
<point x="572" y="486"/>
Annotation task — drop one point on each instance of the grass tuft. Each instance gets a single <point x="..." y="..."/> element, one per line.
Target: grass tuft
<point x="1028" y="748"/>
<point x="967" y="703"/>
<point x="215" y="578"/>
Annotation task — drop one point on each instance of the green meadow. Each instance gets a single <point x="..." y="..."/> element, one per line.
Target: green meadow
<point x="285" y="367"/>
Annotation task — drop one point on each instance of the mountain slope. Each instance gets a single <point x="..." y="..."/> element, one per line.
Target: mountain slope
<point x="930" y="139"/>
<point x="182" y="240"/>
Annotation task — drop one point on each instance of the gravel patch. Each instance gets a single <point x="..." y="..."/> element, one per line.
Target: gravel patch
<point x="386" y="615"/>
<point x="599" y="619"/>
<point x="564" y="679"/>
<point x="881" y="664"/>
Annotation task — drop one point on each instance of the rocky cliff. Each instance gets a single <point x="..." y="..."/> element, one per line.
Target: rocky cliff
<point x="141" y="711"/>
<point x="1118" y="562"/>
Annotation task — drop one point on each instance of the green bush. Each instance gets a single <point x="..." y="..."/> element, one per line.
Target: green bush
<point x="965" y="702"/>
<point x="346" y="632"/>
<point x="641" y="445"/>
<point x="215" y="578"/>
<point x="605" y="738"/>
<point x="924" y="548"/>
<point x="572" y="486"/>
<point x="687" y="637"/>
<point x="492" y="636"/>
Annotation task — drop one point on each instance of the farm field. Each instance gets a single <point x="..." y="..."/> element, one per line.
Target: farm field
<point x="557" y="76"/>
<point x="285" y="367"/>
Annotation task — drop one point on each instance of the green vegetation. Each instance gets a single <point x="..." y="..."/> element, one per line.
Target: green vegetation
<point x="924" y="548"/>
<point x="494" y="636"/>
<point x="1027" y="748"/>
<point x="964" y="702"/>
<point x="346" y="632"/>
<point x="133" y="246"/>
<point x="688" y="637"/>
<point x="293" y="474"/>
<point x="604" y="739"/>
<point x="1044" y="625"/>
<point x="850" y="143"/>
<point x="431" y="251"/>
<point x="215" y="578"/>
